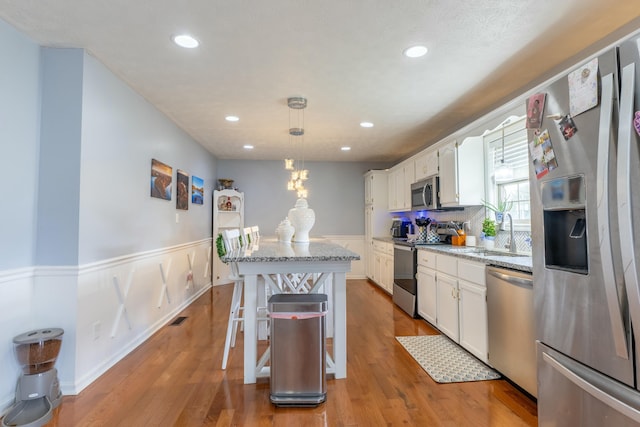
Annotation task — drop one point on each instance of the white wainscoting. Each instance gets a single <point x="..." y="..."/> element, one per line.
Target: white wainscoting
<point x="356" y="244"/>
<point x="107" y="308"/>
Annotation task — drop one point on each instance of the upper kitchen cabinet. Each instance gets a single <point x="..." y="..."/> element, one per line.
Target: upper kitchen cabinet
<point x="461" y="171"/>
<point x="400" y="179"/>
<point x="426" y="164"/>
<point x="375" y="187"/>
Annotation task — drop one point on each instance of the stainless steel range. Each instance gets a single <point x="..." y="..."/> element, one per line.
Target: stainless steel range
<point x="405" y="284"/>
<point x="405" y="266"/>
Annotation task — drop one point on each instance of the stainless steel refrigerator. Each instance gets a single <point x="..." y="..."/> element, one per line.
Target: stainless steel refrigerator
<point x="585" y="207"/>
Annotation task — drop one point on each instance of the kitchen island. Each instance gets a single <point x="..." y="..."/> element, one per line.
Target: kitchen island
<point x="293" y="268"/>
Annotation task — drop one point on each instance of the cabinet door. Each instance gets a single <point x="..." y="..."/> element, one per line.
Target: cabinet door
<point x="391" y="186"/>
<point x="421" y="168"/>
<point x="368" y="192"/>
<point x="432" y="163"/>
<point x="368" y="223"/>
<point x="377" y="267"/>
<point x="426" y="165"/>
<point x="409" y="178"/>
<point x="388" y="273"/>
<point x="399" y="190"/>
<point x="447" y="300"/>
<point x="369" y="258"/>
<point x="427" y="294"/>
<point x="449" y="175"/>
<point x="469" y="160"/>
<point x="473" y="319"/>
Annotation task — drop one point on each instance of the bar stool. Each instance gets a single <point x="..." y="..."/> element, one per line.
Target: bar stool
<point x="234" y="244"/>
<point x="231" y="239"/>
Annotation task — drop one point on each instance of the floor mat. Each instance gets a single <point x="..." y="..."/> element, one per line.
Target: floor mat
<point x="445" y="361"/>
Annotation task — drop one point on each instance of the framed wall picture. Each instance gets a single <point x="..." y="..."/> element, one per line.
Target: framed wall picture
<point x="161" y="180"/>
<point x="182" y="198"/>
<point x="197" y="190"/>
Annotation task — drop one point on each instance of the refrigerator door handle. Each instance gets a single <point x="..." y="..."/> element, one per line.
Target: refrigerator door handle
<point x="595" y="384"/>
<point x="604" y="231"/>
<point x="625" y="217"/>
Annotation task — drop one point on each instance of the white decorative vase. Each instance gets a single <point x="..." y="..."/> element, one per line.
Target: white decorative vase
<point x="285" y="231"/>
<point x="302" y="218"/>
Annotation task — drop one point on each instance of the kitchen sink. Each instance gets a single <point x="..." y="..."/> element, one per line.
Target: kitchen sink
<point x="500" y="253"/>
<point x="467" y="250"/>
<point x="485" y="252"/>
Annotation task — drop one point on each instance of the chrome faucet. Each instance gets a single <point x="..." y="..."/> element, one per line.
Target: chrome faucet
<point x="512" y="243"/>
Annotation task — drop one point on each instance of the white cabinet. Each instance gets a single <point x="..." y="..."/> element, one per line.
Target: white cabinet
<point x="461" y="301"/>
<point x="396" y="180"/>
<point x="400" y="179"/>
<point x="383" y="265"/>
<point x="473" y="314"/>
<point x="377" y="220"/>
<point x="474" y="328"/>
<point x="461" y="171"/>
<point x="228" y="212"/>
<point x="447" y="294"/>
<point x="427" y="291"/>
<point x="426" y="165"/>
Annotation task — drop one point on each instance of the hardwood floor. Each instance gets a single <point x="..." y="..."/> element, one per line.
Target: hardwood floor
<point x="175" y="379"/>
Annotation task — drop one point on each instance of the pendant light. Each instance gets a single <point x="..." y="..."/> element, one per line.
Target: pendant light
<point x="296" y="139"/>
<point x="503" y="172"/>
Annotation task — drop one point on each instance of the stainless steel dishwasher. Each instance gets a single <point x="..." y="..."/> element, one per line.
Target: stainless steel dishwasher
<point x="512" y="342"/>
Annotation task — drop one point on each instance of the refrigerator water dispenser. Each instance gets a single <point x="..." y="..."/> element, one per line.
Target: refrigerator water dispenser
<point x="565" y="224"/>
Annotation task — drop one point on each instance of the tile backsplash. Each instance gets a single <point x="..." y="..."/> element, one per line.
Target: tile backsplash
<point x="474" y="216"/>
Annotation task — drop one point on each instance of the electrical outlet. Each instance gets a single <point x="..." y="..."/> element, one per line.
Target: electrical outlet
<point x="96" y="330"/>
<point x="177" y="218"/>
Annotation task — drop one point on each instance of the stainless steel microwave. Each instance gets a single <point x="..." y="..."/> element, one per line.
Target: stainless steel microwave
<point x="424" y="194"/>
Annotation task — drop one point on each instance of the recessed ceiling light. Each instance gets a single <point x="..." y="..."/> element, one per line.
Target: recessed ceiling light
<point x="232" y="118"/>
<point x="345" y="148"/>
<point x="185" y="40"/>
<point x="366" y="124"/>
<point x="248" y="147"/>
<point x="415" y="51"/>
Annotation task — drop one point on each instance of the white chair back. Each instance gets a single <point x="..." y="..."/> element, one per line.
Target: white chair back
<point x="255" y="233"/>
<point x="231" y="239"/>
<point x="247" y="238"/>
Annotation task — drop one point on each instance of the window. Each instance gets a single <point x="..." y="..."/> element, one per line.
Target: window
<point x="508" y="168"/>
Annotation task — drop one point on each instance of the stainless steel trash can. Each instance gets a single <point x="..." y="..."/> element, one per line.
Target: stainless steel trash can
<point x="298" y="352"/>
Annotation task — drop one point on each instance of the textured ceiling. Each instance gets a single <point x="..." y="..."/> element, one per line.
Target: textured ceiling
<point x="345" y="57"/>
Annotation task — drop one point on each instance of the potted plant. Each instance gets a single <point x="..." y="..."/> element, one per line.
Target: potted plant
<point x="504" y="205"/>
<point x="489" y="232"/>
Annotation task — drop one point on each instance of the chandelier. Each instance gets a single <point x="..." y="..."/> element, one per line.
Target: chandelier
<point x="295" y="164"/>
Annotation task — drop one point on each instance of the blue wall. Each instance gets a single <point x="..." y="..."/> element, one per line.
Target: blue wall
<point x="19" y="138"/>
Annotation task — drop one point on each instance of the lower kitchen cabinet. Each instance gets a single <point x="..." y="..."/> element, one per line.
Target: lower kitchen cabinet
<point x="453" y="297"/>
<point x="472" y="313"/>
<point x="447" y="301"/>
<point x="427" y="294"/>
<point x="383" y="265"/>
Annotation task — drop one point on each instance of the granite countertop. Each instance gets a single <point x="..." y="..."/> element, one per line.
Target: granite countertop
<point x="270" y="250"/>
<point x="519" y="261"/>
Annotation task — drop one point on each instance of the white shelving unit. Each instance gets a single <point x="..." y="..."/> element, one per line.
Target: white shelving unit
<point x="228" y="212"/>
